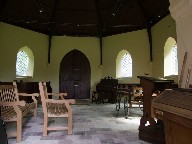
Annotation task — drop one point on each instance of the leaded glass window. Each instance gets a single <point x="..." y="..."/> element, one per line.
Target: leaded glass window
<point x="22" y="63"/>
<point x="126" y="65"/>
<point x="174" y="60"/>
<point x="170" y="58"/>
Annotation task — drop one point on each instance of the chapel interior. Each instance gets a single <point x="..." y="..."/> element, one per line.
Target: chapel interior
<point x="103" y="72"/>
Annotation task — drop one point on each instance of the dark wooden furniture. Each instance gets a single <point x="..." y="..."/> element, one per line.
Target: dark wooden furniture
<point x="174" y="108"/>
<point x="28" y="87"/>
<point x="107" y="90"/>
<point x="153" y="132"/>
<point x="94" y="96"/>
<point x="126" y="91"/>
<point x="3" y="135"/>
<point x="125" y="86"/>
<point x="136" y="97"/>
<point x="125" y="94"/>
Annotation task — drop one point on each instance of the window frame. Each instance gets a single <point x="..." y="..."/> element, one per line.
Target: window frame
<point x="30" y="68"/>
<point x="120" y="55"/>
<point x="169" y="63"/>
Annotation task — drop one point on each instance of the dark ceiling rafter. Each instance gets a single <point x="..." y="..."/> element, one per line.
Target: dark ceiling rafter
<point x="104" y="18"/>
<point x="126" y="27"/>
<point x="51" y="28"/>
<point x="159" y="17"/>
<point x="100" y="29"/>
<point x="148" y="27"/>
<point x="41" y="10"/>
<point x="43" y="14"/>
<point x="115" y="10"/>
<point x="2" y="6"/>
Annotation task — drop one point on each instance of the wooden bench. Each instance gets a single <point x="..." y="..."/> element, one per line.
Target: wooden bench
<point x="13" y="110"/>
<point x="28" y="87"/>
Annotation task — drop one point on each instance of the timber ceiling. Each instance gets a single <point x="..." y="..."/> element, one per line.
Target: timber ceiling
<point x="94" y="18"/>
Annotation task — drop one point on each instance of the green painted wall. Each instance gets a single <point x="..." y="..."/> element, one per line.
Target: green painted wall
<point x="136" y="43"/>
<point x="61" y="45"/>
<point x="160" y="33"/>
<point x="13" y="38"/>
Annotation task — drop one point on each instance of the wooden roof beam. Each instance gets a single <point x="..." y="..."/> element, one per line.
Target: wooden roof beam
<point x="148" y="27"/>
<point x="51" y="28"/>
<point x="100" y="30"/>
<point x="2" y="6"/>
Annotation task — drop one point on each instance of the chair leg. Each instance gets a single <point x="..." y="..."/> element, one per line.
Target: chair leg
<point x="45" y="125"/>
<point x="19" y="128"/>
<point x="130" y="105"/>
<point x="70" y="123"/>
<point x="35" y="111"/>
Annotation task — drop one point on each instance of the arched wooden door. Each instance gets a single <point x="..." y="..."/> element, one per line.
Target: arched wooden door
<point x="74" y="77"/>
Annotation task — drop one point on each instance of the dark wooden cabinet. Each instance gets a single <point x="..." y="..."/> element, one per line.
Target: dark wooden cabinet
<point x="107" y="90"/>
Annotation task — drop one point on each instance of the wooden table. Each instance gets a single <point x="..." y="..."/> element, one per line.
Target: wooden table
<point x="120" y="94"/>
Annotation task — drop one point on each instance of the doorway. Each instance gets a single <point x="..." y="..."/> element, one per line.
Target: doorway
<point x="74" y="77"/>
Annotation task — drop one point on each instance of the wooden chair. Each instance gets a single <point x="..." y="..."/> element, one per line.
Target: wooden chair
<point x="13" y="110"/>
<point x="136" y="97"/>
<point x="55" y="108"/>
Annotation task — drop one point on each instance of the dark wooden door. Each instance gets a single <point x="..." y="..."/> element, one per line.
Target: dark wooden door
<point x="74" y="77"/>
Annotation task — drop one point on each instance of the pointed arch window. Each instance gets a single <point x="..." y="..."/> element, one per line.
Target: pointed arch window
<point x="174" y="60"/>
<point x="170" y="57"/>
<point x="24" y="63"/>
<point x="123" y="64"/>
<point x="126" y="65"/>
